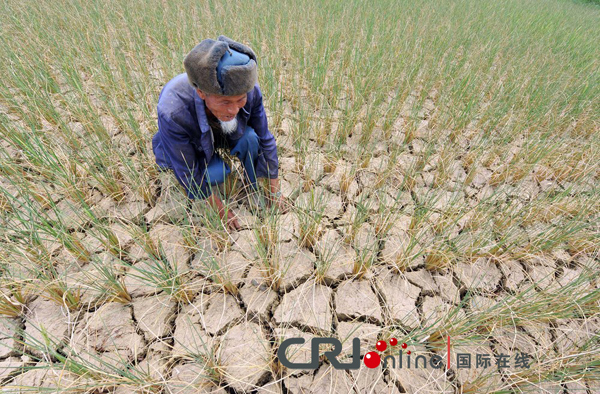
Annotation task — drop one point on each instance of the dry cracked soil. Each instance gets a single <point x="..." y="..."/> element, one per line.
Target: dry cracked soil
<point x="221" y="331"/>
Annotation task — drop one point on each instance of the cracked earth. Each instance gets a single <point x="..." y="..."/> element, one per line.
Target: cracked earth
<point x="218" y="341"/>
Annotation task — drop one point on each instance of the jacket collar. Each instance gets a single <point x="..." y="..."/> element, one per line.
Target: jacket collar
<point x="201" y="113"/>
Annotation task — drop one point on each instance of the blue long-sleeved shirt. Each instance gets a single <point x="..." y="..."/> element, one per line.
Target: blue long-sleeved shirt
<point x="184" y="141"/>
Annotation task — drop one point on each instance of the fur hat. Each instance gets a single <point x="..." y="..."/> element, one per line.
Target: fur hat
<point x="222" y="67"/>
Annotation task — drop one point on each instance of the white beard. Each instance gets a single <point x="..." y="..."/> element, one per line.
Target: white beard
<point x="229" y="127"/>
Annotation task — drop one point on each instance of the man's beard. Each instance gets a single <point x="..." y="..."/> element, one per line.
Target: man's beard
<point x="229" y="127"/>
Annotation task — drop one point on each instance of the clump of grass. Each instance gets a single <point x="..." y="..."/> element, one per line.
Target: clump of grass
<point x="142" y="237"/>
<point x="76" y="247"/>
<point x="158" y="272"/>
<point x="346" y="181"/>
<point x="366" y="258"/>
<point x="215" y="269"/>
<point x="59" y="292"/>
<point x="438" y="258"/>
<point x="267" y="238"/>
<point x="206" y="222"/>
<point x="13" y="299"/>
<point x="324" y="261"/>
<point x="329" y="163"/>
<point x="214" y="370"/>
<point x="109" y="283"/>
<point x="359" y="216"/>
<point x="165" y="275"/>
<point x="310" y="212"/>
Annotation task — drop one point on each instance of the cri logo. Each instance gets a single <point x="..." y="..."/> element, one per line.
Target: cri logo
<point x="372" y="359"/>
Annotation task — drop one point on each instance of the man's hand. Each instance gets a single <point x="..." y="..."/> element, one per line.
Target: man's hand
<point x="280" y="202"/>
<point x="232" y="223"/>
<point x="275" y="197"/>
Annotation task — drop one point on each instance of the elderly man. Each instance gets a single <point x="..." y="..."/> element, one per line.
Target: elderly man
<point x="216" y="104"/>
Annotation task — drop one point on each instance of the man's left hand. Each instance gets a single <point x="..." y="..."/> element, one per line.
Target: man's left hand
<point x="275" y="198"/>
<point x="280" y="202"/>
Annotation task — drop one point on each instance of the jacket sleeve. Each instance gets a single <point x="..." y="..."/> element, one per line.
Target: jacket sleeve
<point x="268" y="165"/>
<point x="188" y="167"/>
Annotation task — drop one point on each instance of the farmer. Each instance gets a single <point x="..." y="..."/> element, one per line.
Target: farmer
<point x="216" y="104"/>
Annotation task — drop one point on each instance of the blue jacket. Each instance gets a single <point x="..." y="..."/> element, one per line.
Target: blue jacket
<point x="184" y="141"/>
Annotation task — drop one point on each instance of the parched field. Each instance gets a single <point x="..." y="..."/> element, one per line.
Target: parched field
<point x="443" y="162"/>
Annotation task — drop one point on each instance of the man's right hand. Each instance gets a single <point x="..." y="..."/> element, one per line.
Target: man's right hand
<point x="231" y="220"/>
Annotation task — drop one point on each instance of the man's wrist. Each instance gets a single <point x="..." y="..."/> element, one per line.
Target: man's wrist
<point x="274" y="187"/>
<point x="214" y="201"/>
<point x="276" y="194"/>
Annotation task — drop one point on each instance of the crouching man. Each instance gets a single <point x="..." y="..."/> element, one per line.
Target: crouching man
<point x="216" y="104"/>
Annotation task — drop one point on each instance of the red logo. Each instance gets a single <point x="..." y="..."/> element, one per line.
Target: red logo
<point x="373" y="359"/>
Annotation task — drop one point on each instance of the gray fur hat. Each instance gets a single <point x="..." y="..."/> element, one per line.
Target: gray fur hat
<point x="222" y="67"/>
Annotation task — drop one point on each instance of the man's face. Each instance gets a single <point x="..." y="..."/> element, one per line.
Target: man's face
<point x="225" y="108"/>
